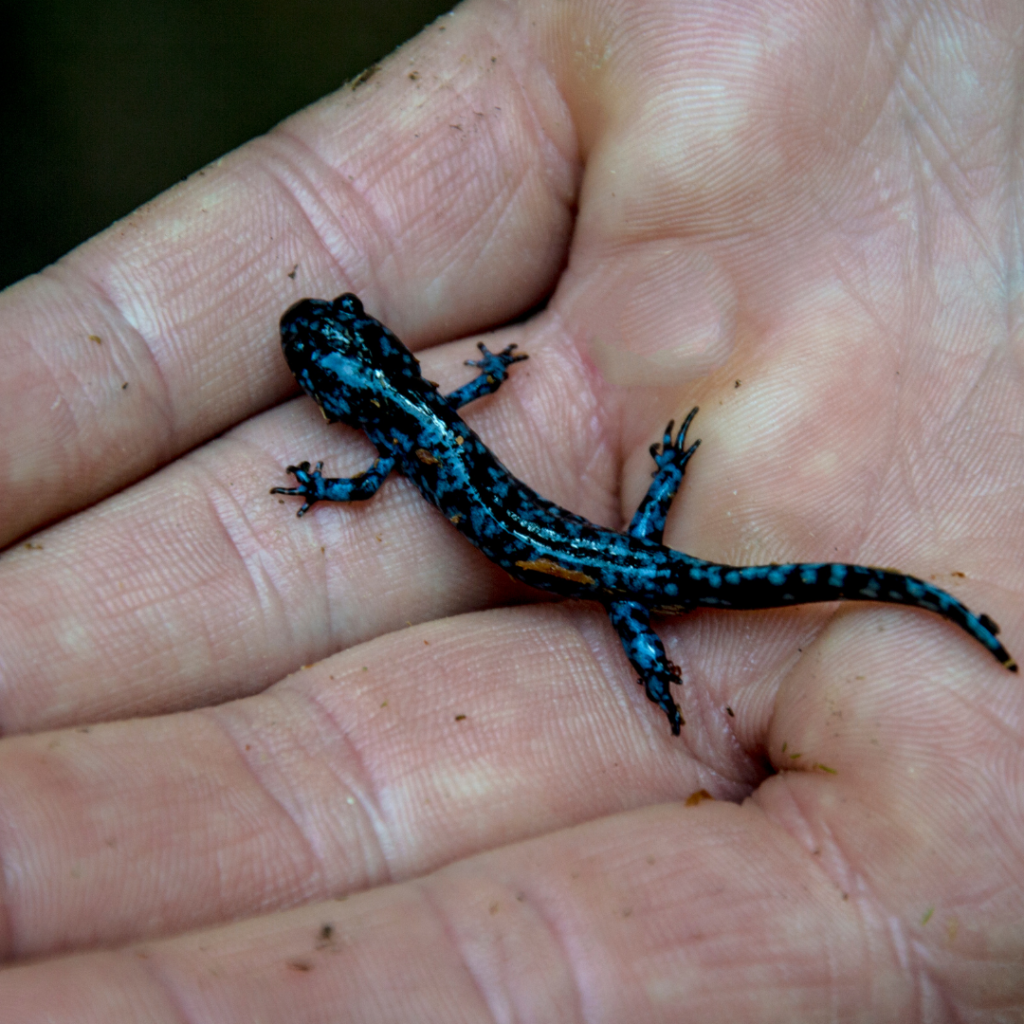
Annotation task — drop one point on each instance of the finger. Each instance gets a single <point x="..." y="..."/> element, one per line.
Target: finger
<point x="659" y="914"/>
<point x="379" y="764"/>
<point x="621" y="920"/>
<point x="421" y="188"/>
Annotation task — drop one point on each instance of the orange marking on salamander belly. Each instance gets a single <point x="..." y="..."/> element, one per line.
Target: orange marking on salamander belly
<point x="553" y="569"/>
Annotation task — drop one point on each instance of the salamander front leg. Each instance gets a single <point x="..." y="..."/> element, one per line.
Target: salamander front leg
<point x="671" y="458"/>
<point x="313" y="487"/>
<point x="632" y="621"/>
<point x="493" y="368"/>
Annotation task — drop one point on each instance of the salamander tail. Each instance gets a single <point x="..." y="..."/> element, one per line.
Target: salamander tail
<point x="774" y="586"/>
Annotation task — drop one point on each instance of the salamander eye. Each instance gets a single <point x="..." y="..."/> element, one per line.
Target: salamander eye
<point x="349" y="303"/>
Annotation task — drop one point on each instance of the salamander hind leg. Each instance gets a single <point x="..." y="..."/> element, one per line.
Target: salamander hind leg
<point x="493" y="368"/>
<point x="671" y="458"/>
<point x="314" y="487"/>
<point x="643" y="647"/>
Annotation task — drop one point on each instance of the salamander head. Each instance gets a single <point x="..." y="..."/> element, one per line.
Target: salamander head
<point x="344" y="359"/>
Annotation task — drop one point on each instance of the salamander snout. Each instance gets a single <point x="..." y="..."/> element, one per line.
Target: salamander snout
<point x="311" y="330"/>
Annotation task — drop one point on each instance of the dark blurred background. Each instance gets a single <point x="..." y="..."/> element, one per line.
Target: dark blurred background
<point x="105" y="103"/>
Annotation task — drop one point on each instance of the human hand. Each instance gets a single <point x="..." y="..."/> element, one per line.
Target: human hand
<point x="795" y="218"/>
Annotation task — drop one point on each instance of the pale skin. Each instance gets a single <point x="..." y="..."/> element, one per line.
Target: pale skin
<point x="341" y="768"/>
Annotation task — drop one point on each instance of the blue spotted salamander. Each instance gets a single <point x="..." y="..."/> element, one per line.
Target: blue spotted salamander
<point x="361" y="374"/>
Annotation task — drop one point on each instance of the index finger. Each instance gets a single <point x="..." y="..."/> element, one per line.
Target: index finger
<point x="441" y="188"/>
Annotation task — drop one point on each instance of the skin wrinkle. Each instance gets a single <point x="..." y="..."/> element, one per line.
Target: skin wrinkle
<point x="600" y="442"/>
<point x="153" y="968"/>
<point x="451" y="931"/>
<point x="823" y="854"/>
<point x="507" y="204"/>
<point x="538" y="907"/>
<point x="604" y="664"/>
<point x="146" y="345"/>
<point x="268" y="598"/>
<point x="1013" y="248"/>
<point x="380" y="869"/>
<point x="547" y="142"/>
<point x="157" y="388"/>
<point x="605" y="442"/>
<point x="306" y="885"/>
<point x="356" y="205"/>
<point x="814" y="863"/>
<point x="860" y="295"/>
<point x="537" y="152"/>
<point x="199" y="472"/>
<point x="943" y="163"/>
<point x="83" y="396"/>
<point x="324" y="613"/>
<point x="507" y="201"/>
<point x="7" y="932"/>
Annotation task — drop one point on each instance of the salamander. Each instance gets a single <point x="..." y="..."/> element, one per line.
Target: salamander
<point x="360" y="374"/>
